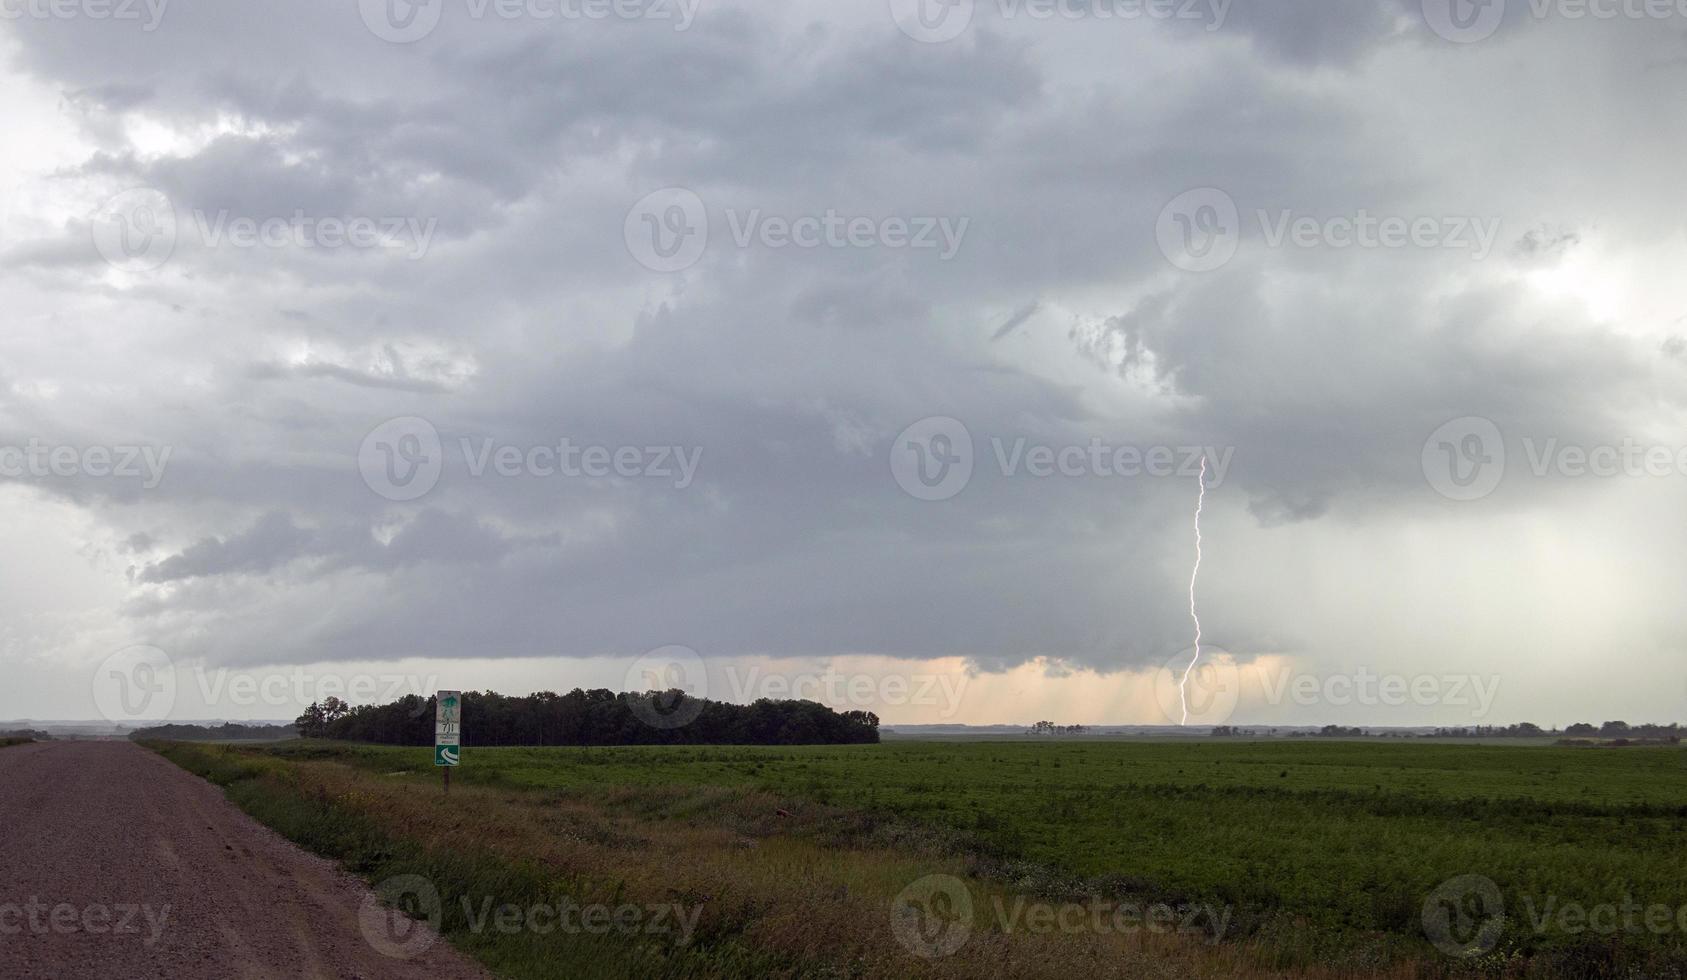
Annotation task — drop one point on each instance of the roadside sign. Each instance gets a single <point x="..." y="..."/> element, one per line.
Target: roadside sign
<point x="448" y="729"/>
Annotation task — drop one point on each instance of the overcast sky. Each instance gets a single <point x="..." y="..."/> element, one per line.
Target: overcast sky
<point x="493" y="345"/>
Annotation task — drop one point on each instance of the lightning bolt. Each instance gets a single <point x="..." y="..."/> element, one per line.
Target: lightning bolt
<point x="1200" y="503"/>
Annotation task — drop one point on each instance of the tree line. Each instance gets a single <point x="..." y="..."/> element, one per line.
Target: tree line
<point x="227" y="732"/>
<point x="596" y="717"/>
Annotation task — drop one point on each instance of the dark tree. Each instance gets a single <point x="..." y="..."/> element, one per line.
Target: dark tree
<point x="597" y="717"/>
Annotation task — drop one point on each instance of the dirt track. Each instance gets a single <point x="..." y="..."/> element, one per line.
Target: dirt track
<point x="118" y="864"/>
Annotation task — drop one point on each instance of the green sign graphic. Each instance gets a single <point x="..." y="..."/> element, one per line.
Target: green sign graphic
<point x="448" y="729"/>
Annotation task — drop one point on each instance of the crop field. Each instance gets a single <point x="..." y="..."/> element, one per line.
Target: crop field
<point x="1291" y="858"/>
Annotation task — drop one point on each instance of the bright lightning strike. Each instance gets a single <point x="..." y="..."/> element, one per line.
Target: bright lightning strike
<point x="1200" y="503"/>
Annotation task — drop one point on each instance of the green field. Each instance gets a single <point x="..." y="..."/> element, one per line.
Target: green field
<point x="1324" y="851"/>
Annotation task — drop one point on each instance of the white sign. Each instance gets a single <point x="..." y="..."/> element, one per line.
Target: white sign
<point x="448" y="728"/>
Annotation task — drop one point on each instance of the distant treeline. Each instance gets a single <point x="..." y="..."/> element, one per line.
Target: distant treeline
<point x="599" y="717"/>
<point x="221" y="733"/>
<point x="1610" y="729"/>
<point x="1050" y="728"/>
<point x="1520" y="730"/>
<point x="26" y="735"/>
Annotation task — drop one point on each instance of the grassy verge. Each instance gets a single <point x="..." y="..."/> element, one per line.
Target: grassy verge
<point x="767" y="885"/>
<point x="1319" y="858"/>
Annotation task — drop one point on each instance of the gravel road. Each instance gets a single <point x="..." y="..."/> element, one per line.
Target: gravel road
<point x="118" y="864"/>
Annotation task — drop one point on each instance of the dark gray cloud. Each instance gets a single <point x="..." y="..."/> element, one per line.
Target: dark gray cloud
<point x="524" y="320"/>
